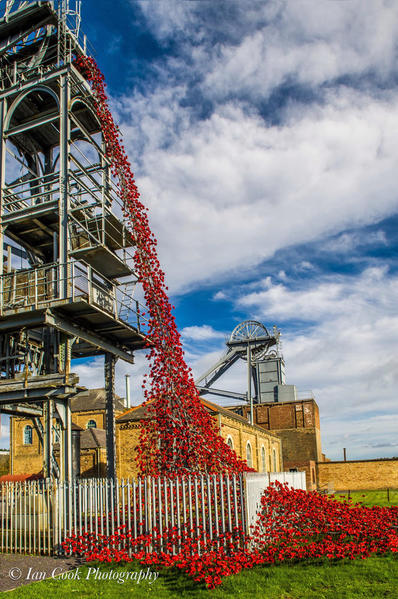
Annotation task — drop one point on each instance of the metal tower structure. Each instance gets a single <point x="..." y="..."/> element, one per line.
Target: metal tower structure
<point x="66" y="267"/>
<point x="252" y="342"/>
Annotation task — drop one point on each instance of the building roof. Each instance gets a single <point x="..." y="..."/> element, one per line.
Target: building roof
<point x="135" y="414"/>
<point x="138" y="413"/>
<point x="90" y="400"/>
<point x="92" y="438"/>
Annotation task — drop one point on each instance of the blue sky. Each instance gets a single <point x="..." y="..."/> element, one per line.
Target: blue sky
<point x="264" y="138"/>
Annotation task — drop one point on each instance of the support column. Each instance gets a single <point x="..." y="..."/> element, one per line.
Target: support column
<point x="63" y="248"/>
<point x="48" y="445"/>
<point x="2" y="182"/>
<point x="66" y="455"/>
<point x="110" y="362"/>
<point x="249" y="382"/>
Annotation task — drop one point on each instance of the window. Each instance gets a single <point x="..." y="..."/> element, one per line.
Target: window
<point x="249" y="455"/>
<point x="27" y="435"/>
<point x="263" y="460"/>
<point x="91" y="424"/>
<point x="230" y="442"/>
<point x="274" y="458"/>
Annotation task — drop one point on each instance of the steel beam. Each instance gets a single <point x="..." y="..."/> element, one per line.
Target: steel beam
<point x="26" y="320"/>
<point x="21" y="87"/>
<point x="231" y="394"/>
<point x="76" y="331"/>
<point x="21" y="410"/>
<point x="218" y="369"/>
<point x="27" y="395"/>
<point x="66" y="446"/>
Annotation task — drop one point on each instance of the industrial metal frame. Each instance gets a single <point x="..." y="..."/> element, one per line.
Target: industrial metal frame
<point x="67" y="278"/>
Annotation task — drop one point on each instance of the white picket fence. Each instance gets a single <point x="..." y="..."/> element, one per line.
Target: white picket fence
<point x="37" y="516"/>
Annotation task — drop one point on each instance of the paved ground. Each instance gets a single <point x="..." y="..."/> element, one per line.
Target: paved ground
<point x="16" y="570"/>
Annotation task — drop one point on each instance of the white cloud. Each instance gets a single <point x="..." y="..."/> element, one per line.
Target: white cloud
<point x="91" y="375"/>
<point x="346" y="354"/>
<point x="310" y="44"/>
<point x="347" y="242"/>
<point x="200" y="333"/>
<point x="227" y="187"/>
<point x="220" y="295"/>
<point x="229" y="192"/>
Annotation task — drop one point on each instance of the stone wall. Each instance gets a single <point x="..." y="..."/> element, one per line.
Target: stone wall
<point x="358" y="474"/>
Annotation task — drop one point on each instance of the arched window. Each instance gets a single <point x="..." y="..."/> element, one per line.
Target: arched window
<point x="249" y="455"/>
<point x="230" y="442"/>
<point x="91" y="424"/>
<point x="27" y="435"/>
<point x="274" y="458"/>
<point x="263" y="459"/>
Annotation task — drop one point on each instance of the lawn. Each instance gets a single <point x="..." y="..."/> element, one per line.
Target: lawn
<point x="370" y="498"/>
<point x="375" y="577"/>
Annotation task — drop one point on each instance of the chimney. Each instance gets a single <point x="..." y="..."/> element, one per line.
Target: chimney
<point x="128" y="397"/>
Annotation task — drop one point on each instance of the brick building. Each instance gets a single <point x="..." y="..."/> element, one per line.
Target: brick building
<point x="297" y="424"/>
<point x="262" y="450"/>
<point x="88" y="413"/>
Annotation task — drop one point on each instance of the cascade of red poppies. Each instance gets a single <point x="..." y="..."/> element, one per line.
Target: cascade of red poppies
<point x="292" y="525"/>
<point x="179" y="435"/>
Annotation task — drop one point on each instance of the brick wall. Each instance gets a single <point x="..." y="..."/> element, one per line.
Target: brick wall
<point x="298" y="445"/>
<point x="127" y="435"/>
<point x="82" y="418"/>
<point x="298" y="426"/>
<point x="26" y="459"/>
<point x="243" y="434"/>
<point x="361" y="474"/>
<point x="4" y="463"/>
<point x="92" y="463"/>
<point x="309" y="467"/>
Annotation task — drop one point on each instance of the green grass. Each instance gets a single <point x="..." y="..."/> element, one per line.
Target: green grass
<point x="370" y="498"/>
<point x="375" y="577"/>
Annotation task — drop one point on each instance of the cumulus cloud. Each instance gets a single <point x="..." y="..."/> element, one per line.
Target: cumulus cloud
<point x="230" y="192"/>
<point x="91" y="375"/>
<point x="202" y="333"/>
<point x="267" y="125"/>
<point x="226" y="186"/>
<point x="346" y="353"/>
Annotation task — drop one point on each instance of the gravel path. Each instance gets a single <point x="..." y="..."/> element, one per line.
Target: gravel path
<point x="16" y="570"/>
